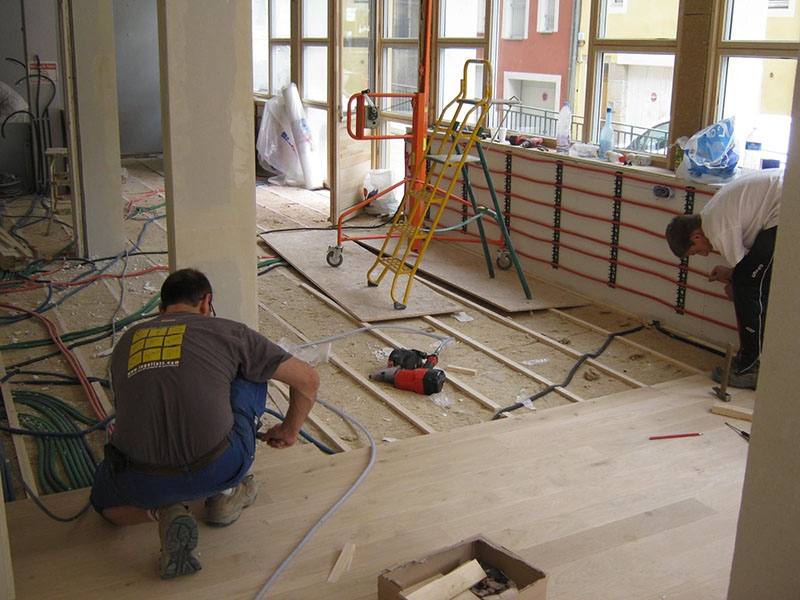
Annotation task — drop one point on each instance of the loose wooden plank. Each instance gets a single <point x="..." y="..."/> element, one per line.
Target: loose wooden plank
<point x="464" y="370"/>
<point x="342" y="563"/>
<point x="453" y="583"/>
<point x="419" y="584"/>
<point x="728" y="409"/>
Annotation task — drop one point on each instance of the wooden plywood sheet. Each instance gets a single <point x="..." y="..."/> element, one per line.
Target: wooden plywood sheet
<point x="347" y="283"/>
<point x="463" y="266"/>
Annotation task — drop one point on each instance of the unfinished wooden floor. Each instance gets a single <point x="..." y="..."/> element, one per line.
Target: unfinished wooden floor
<point x="579" y="491"/>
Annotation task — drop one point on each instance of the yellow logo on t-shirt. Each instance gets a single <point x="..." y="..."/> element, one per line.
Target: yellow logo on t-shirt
<point x="155" y="347"/>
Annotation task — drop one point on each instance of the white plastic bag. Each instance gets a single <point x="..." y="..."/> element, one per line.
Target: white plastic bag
<point x="711" y="154"/>
<point x="375" y="182"/>
<point x="275" y="145"/>
<point x="304" y="140"/>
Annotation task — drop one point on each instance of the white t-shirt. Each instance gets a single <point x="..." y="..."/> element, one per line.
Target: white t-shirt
<point x="737" y="213"/>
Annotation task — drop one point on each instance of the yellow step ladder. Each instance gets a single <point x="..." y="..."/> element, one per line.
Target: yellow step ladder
<point x="457" y="131"/>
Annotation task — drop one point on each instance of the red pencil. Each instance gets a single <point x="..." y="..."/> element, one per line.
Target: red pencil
<point x="674" y="435"/>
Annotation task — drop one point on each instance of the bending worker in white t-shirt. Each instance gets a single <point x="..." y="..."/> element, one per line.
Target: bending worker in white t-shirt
<point x="740" y="222"/>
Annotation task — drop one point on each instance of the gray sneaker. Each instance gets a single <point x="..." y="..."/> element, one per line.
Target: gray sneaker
<point x="224" y="509"/>
<point x="178" y="531"/>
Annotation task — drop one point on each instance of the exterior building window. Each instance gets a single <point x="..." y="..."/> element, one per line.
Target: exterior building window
<point x="515" y="19"/>
<point x="547" y="21"/>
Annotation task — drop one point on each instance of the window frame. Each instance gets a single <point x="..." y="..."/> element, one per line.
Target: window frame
<point x="515" y="29"/>
<point x="594" y="112"/>
<point x="542" y="13"/>
<point x="699" y="61"/>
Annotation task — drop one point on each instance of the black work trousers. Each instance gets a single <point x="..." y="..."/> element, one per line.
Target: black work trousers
<point x="750" y="282"/>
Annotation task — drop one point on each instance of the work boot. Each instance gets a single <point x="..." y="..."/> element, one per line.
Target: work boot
<point x="178" y="531"/>
<point x="737" y="379"/>
<point x="716" y="372"/>
<point x="224" y="509"/>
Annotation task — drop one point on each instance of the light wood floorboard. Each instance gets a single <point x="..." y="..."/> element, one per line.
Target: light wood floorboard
<point x="579" y="491"/>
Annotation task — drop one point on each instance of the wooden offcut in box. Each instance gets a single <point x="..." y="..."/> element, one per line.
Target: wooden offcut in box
<point x="531" y="582"/>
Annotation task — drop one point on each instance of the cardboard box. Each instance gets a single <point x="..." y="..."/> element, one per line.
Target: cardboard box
<point x="532" y="582"/>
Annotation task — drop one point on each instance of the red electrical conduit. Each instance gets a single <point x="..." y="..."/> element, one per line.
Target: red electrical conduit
<point x="602" y="219"/>
<point x="91" y="394"/>
<point x="79" y="282"/>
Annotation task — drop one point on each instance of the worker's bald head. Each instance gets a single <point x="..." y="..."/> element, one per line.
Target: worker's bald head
<point x="185" y="286"/>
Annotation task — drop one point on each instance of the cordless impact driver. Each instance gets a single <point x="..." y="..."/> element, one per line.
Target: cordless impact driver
<point x="412" y="370"/>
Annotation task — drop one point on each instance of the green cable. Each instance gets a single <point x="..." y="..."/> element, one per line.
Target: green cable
<point x="140" y="209"/>
<point x="51" y="454"/>
<point x="65" y="450"/>
<point x="74" y="459"/>
<point x="74" y="452"/>
<point x="66" y="407"/>
<point x="75" y="335"/>
<point x="47" y="462"/>
<point x="270" y="261"/>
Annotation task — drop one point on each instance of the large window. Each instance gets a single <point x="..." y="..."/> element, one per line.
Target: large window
<point x="399" y="74"/>
<point x="260" y="47"/>
<point x="757" y="64"/>
<point x="732" y="58"/>
<point x="629" y="66"/>
<point x="743" y="66"/>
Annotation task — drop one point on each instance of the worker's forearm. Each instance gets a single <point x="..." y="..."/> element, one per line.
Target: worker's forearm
<point x="300" y="404"/>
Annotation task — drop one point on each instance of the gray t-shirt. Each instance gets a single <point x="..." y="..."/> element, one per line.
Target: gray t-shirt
<point x="171" y="379"/>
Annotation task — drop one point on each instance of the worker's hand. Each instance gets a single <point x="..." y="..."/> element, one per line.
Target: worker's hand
<point x="729" y="290"/>
<point x="721" y="273"/>
<point x="278" y="436"/>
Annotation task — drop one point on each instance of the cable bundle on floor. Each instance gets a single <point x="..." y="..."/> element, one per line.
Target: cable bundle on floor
<point x="71" y="456"/>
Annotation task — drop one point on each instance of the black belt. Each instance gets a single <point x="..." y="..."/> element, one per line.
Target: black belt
<point x="169" y="471"/>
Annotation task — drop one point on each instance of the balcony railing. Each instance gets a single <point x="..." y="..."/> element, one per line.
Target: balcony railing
<point x="539" y="122"/>
<point x="527" y="120"/>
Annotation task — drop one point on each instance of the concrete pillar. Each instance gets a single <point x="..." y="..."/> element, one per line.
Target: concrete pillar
<point x="94" y="127"/>
<point x="767" y="552"/>
<point x="205" y="56"/>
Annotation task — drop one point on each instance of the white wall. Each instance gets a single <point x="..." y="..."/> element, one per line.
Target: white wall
<point x="646" y="284"/>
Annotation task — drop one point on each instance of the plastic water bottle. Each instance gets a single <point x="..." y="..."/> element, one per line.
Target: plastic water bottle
<point x="563" y="129"/>
<point x="752" y="151"/>
<point x="606" y="136"/>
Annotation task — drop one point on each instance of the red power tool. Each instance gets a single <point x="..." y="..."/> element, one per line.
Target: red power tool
<point x="412" y="370"/>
